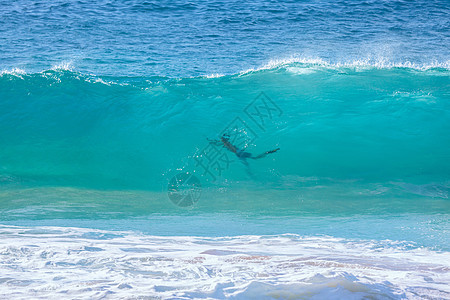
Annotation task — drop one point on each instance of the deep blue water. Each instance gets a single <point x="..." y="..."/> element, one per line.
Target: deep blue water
<point x="188" y="38"/>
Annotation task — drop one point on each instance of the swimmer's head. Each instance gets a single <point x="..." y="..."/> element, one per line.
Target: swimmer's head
<point x="225" y="137"/>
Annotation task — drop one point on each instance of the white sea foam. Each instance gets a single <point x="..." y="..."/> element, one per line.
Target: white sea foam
<point x="63" y="66"/>
<point x="214" y="75"/>
<point x="55" y="262"/>
<point x="361" y="64"/>
<point x="14" y="72"/>
<point x="294" y="64"/>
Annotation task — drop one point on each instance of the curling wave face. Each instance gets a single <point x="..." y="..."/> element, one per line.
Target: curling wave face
<point x="365" y="134"/>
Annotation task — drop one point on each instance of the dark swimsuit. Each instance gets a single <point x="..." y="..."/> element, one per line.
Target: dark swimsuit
<point x="242" y="154"/>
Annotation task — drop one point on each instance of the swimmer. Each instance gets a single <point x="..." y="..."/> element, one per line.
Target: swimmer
<point x="242" y="154"/>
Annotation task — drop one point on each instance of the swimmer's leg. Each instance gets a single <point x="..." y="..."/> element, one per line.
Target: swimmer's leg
<point x="247" y="168"/>
<point x="265" y="154"/>
<point x="244" y="161"/>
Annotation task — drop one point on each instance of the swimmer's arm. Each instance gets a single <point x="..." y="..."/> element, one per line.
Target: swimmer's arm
<point x="225" y="144"/>
<point x="215" y="142"/>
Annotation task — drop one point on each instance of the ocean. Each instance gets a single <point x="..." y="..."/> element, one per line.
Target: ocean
<point x="116" y="181"/>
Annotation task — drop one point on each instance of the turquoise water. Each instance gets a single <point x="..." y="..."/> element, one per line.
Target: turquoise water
<point x="111" y="184"/>
<point x="361" y="139"/>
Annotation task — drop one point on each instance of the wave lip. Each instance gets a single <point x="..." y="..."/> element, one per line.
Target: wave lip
<point x="13" y="71"/>
<point x="272" y="64"/>
<point x="366" y="63"/>
<point x="268" y="267"/>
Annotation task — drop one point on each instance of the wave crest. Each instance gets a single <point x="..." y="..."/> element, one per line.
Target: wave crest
<point x="367" y="63"/>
